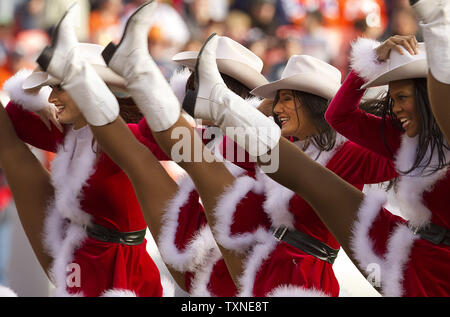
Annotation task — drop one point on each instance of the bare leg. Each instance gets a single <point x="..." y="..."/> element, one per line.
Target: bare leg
<point x="335" y="201"/>
<point x="439" y="94"/>
<point x="211" y="178"/>
<point x="30" y="185"/>
<point x="434" y="17"/>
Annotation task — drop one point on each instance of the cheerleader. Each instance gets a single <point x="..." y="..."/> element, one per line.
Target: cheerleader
<point x="407" y="134"/>
<point x="270" y="281"/>
<point x="86" y="209"/>
<point x="407" y="255"/>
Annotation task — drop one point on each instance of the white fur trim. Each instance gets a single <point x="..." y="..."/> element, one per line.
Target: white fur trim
<point x="7" y="292"/>
<point x="202" y="275"/>
<point x="53" y="230"/>
<point x="399" y="245"/>
<point x="71" y="168"/>
<point x="198" y="248"/>
<point x="168" y="287"/>
<point x="30" y="102"/>
<point x="295" y="291"/>
<point x="178" y="83"/>
<point x="278" y="197"/>
<point x="361" y="244"/>
<point x="259" y="253"/>
<point x="75" y="236"/>
<point x="411" y="187"/>
<point x="276" y="204"/>
<point x="118" y="293"/>
<point x="224" y="214"/>
<point x="399" y="248"/>
<point x="363" y="58"/>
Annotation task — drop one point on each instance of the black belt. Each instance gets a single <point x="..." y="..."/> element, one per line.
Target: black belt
<point x="109" y="235"/>
<point x="306" y="243"/>
<point x="433" y="233"/>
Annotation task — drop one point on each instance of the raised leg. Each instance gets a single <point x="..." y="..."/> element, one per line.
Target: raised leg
<point x="434" y="17"/>
<point x="211" y="178"/>
<point x="153" y="186"/>
<point x="30" y="185"/>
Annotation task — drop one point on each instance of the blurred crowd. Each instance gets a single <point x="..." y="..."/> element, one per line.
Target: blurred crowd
<point x="273" y="29"/>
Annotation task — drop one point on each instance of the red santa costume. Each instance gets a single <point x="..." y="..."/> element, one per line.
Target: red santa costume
<point x="247" y="213"/>
<point x="91" y="191"/>
<point x="409" y="264"/>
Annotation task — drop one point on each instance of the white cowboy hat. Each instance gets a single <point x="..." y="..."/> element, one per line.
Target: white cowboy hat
<point x="399" y="67"/>
<point x="304" y="73"/>
<point x="91" y="53"/>
<point x="233" y="60"/>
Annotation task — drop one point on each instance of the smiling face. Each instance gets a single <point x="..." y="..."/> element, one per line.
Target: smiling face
<point x="67" y="111"/>
<point x="295" y="119"/>
<point x="403" y="95"/>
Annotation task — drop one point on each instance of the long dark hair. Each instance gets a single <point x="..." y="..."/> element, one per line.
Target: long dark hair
<point x="129" y="112"/>
<point x="430" y="135"/>
<point x="316" y="106"/>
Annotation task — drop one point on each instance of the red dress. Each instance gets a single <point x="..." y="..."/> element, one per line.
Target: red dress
<point x="88" y="188"/>
<point x="245" y="213"/>
<point x="408" y="265"/>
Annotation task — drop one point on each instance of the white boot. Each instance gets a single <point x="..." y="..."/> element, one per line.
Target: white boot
<point x="144" y="81"/>
<point x="65" y="38"/>
<point x="92" y="96"/>
<point x="78" y="78"/>
<point x="434" y="16"/>
<point x="246" y="125"/>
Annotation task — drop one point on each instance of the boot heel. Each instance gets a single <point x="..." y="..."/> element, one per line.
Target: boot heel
<point x="189" y="102"/>
<point x="108" y="52"/>
<point x="45" y="57"/>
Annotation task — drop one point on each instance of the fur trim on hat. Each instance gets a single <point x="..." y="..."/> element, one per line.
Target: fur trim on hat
<point x="363" y="58"/>
<point x="30" y="102"/>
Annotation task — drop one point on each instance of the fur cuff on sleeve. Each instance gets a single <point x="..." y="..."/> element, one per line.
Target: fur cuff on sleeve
<point x="363" y="58"/>
<point x="30" y="102"/>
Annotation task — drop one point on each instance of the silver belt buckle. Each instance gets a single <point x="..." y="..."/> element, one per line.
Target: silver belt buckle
<point x="279" y="236"/>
